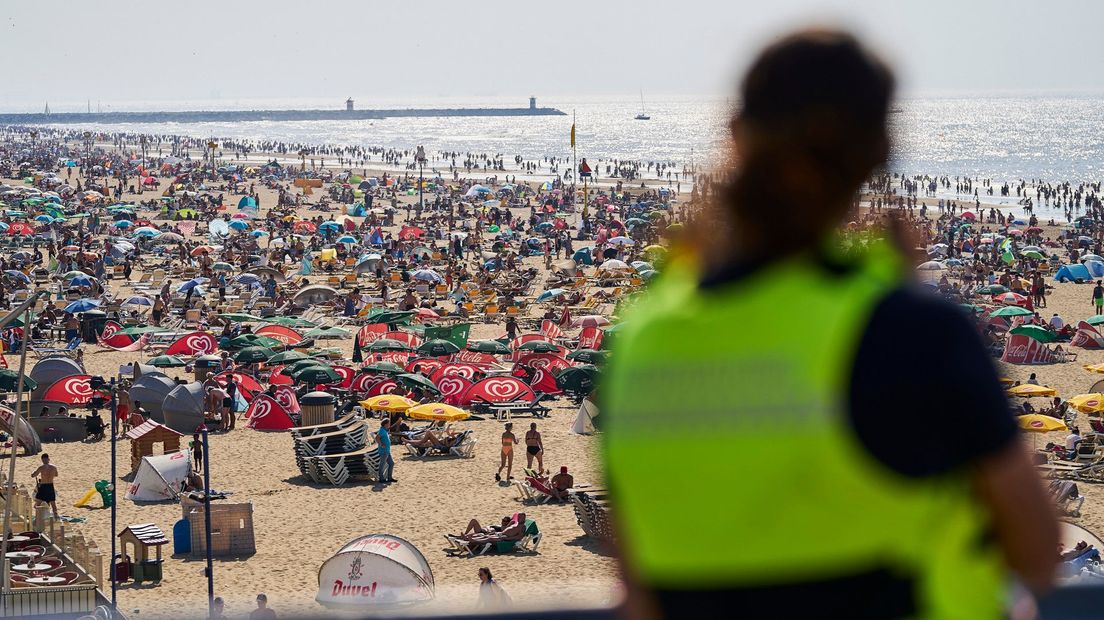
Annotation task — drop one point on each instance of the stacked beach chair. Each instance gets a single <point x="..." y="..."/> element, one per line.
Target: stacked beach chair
<point x="336" y="452"/>
<point x="592" y="513"/>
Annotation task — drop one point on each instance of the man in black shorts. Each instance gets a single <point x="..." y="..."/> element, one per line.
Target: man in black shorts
<point x="44" y="492"/>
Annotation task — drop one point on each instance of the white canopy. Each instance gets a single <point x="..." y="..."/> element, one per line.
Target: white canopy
<point x="160" y="477"/>
<point x="376" y="570"/>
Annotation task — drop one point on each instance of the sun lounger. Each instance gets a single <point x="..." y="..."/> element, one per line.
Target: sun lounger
<point x="461" y="446"/>
<point x="340" y="423"/>
<point x="592" y="513"/>
<point x="68" y="350"/>
<point x="337" y="469"/>
<point x="528" y="543"/>
<point x="1066" y="497"/>
<point x="504" y="411"/>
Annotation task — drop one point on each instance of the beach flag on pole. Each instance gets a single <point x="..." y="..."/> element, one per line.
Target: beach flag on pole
<point x="573" y="135"/>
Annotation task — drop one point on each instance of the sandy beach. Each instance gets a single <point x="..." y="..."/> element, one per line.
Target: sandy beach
<point x="299" y="524"/>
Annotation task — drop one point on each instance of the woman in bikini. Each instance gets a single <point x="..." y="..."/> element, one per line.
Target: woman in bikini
<point x="534" y="448"/>
<point x="509" y="440"/>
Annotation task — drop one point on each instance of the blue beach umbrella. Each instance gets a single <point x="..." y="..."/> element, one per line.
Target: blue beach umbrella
<point x="239" y="225"/>
<point x="551" y="294"/>
<point x="259" y="233"/>
<point x="18" y="275"/>
<point x="346" y="239"/>
<point x="190" y="284"/>
<point x="123" y="224"/>
<point x="81" y="281"/>
<point x="82" y="305"/>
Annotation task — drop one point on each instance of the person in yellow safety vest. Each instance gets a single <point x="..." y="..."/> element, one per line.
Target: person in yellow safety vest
<point x="791" y="431"/>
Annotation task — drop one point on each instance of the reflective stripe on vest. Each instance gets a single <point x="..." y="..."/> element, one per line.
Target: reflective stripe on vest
<point x="732" y="461"/>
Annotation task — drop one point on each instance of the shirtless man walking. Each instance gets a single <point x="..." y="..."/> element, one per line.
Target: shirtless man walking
<point x="45" y="493"/>
<point x="509" y="440"/>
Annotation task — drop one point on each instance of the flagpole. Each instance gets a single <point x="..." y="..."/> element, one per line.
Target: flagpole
<point x="574" y="158"/>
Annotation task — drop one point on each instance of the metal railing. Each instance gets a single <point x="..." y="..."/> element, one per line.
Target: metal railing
<point x="48" y="601"/>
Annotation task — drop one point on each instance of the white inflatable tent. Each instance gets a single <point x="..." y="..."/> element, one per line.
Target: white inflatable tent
<point x="377" y="570"/>
<point x="584" y="421"/>
<point x="160" y="477"/>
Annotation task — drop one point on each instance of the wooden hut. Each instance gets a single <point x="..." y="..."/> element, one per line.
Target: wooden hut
<point x="143" y="438"/>
<point x="141" y="538"/>
<point x="231" y="528"/>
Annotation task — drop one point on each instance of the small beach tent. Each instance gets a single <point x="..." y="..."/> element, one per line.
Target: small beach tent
<point x="151" y="389"/>
<point x="183" y="408"/>
<point x="1021" y="349"/>
<point x="49" y="371"/>
<point x="1073" y="273"/>
<point x="160" y="477"/>
<point x="1095" y="267"/>
<point x="25" y="435"/>
<point x="584" y="421"/>
<point x="265" y="414"/>
<point x="373" y="571"/>
<point x="1087" y="337"/>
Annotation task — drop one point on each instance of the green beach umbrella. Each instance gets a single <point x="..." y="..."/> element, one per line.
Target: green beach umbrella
<point x="253" y="355"/>
<point x="167" y="361"/>
<point x="295" y="367"/>
<point x="253" y="340"/>
<point x="316" y="375"/>
<point x="1095" y="319"/>
<point x="1011" y="311"/>
<point x="390" y="368"/>
<point x="417" y="382"/>
<point x="587" y="356"/>
<point x="491" y="347"/>
<point x="387" y="344"/>
<point x="992" y="289"/>
<point x="1035" y="332"/>
<point x="438" y="347"/>
<point x="577" y="379"/>
<point x="287" y="357"/>
<point x="290" y="321"/>
<point x="539" y="346"/>
<point x="9" y="381"/>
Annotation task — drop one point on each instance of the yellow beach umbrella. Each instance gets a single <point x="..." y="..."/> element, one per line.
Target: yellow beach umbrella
<point x="1094" y="367"/>
<point x="1088" y="403"/>
<point x="437" y="412"/>
<point x="1028" y="390"/>
<point x="388" y="402"/>
<point x="1036" y="423"/>
<point x="1006" y="382"/>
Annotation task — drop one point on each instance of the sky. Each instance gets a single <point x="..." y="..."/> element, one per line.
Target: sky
<point x="112" y="51"/>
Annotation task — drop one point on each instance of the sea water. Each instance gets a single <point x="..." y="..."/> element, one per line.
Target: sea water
<point x="1000" y="138"/>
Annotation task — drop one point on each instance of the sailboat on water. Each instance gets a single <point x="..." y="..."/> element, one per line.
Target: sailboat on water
<point x="642" y="116"/>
